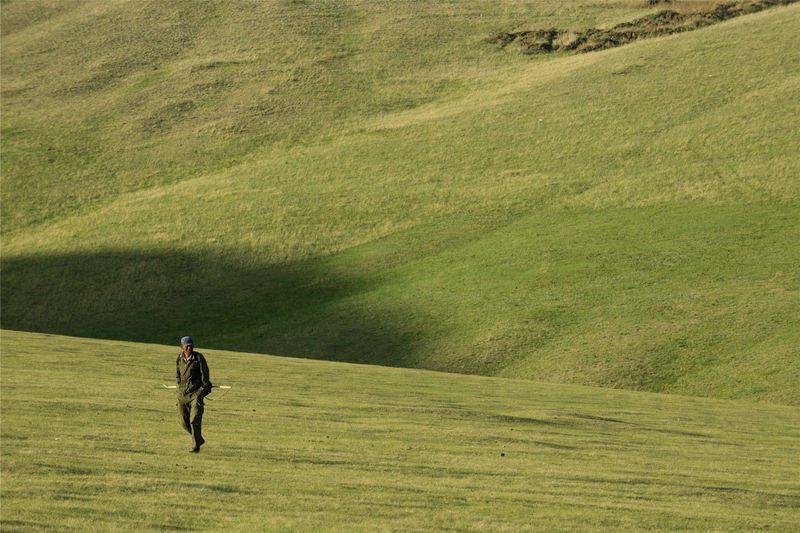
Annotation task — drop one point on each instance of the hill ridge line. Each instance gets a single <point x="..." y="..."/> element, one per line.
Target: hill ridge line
<point x="412" y="370"/>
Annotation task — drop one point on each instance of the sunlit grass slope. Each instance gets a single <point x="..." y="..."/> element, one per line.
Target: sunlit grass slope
<point x="121" y="95"/>
<point x="373" y="182"/>
<point x="91" y="441"/>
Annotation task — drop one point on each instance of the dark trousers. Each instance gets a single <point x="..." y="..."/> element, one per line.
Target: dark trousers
<point x="190" y="411"/>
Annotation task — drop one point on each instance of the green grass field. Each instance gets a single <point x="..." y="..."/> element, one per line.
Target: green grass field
<point x="598" y="250"/>
<point x="374" y="182"/>
<point x="90" y="441"/>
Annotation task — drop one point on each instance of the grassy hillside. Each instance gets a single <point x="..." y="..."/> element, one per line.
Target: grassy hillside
<point x="91" y="441"/>
<point x="374" y="182"/>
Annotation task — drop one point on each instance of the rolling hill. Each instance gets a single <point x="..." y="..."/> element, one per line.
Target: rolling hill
<point x="375" y="182"/>
<point x="91" y="441"/>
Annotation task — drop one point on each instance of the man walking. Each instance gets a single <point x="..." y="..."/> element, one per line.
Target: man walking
<point x="194" y="384"/>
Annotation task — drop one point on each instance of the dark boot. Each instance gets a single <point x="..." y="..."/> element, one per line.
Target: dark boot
<point x="198" y="438"/>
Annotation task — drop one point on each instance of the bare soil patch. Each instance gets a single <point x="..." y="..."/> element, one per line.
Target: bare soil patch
<point x="664" y="22"/>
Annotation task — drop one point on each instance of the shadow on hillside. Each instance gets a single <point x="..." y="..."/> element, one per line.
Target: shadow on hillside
<point x="301" y="309"/>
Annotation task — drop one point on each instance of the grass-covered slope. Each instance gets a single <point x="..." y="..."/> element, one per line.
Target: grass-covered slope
<point x="374" y="182"/>
<point x="91" y="441"/>
<point x="118" y="96"/>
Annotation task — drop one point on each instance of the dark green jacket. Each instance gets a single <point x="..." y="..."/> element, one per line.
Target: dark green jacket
<point x="193" y="376"/>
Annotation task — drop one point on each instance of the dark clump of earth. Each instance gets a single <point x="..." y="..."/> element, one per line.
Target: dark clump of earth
<point x="536" y="41"/>
<point x="664" y="22"/>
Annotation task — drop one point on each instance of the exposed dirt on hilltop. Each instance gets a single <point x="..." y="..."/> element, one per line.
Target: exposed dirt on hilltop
<point x="654" y="25"/>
